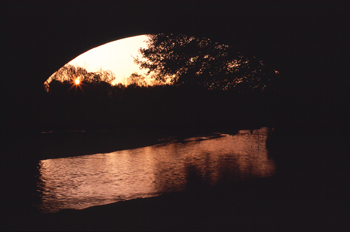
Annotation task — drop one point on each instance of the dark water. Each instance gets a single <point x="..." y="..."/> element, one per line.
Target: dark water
<point x="84" y="181"/>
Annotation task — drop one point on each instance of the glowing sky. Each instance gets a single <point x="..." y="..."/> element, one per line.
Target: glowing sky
<point x="115" y="56"/>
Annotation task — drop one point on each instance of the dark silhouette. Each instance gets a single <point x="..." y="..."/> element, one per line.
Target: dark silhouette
<point x="181" y="59"/>
<point x="306" y="42"/>
<point x="70" y="73"/>
<point x="136" y="79"/>
<point x="157" y="111"/>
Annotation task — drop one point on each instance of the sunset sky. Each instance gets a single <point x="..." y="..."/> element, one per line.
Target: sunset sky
<point x="115" y="56"/>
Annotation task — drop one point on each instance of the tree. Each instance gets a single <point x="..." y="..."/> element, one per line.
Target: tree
<point x="181" y="59"/>
<point x="105" y="75"/>
<point x="70" y="73"/>
<point x="136" y="79"/>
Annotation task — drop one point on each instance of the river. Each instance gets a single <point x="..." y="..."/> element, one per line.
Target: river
<point x="198" y="162"/>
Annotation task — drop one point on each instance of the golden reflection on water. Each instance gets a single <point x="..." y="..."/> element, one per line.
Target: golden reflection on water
<point x="85" y="181"/>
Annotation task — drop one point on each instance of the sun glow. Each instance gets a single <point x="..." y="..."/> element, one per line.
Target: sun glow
<point x="116" y="56"/>
<point x="77" y="83"/>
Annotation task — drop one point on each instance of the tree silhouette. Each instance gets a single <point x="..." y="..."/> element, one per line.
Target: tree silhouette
<point x="136" y="79"/>
<point x="70" y="73"/>
<point x="182" y="59"/>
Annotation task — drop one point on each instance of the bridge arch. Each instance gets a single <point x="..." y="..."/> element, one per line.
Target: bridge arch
<point x="40" y="37"/>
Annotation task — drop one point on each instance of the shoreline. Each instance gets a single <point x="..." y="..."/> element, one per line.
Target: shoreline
<point x="70" y="144"/>
<point x="300" y="201"/>
<point x="266" y="204"/>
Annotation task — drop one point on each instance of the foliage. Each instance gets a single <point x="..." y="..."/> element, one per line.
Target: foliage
<point x="136" y="79"/>
<point x="181" y="59"/>
<point x="158" y="109"/>
<point x="197" y="100"/>
<point x="70" y="72"/>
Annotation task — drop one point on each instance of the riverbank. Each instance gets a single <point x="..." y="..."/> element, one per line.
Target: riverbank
<point x="312" y="200"/>
<point x="75" y="143"/>
<point x="268" y="204"/>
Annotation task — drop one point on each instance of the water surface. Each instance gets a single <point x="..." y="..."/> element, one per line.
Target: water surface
<point x="91" y="180"/>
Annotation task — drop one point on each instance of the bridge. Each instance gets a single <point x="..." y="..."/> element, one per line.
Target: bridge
<point x="306" y="42"/>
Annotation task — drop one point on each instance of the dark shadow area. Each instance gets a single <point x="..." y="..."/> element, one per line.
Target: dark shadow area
<point x="222" y="91"/>
<point x="150" y="113"/>
<point x="308" y="43"/>
<point x="258" y="205"/>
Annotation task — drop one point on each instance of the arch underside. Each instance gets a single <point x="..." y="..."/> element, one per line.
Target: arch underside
<point x="301" y="41"/>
